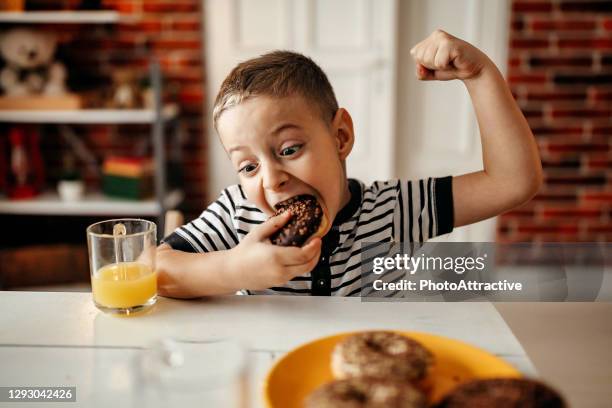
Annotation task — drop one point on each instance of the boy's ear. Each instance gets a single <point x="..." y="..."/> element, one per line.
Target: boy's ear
<point x="342" y="126"/>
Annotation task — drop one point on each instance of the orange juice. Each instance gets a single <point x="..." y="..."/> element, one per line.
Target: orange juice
<point x="124" y="285"/>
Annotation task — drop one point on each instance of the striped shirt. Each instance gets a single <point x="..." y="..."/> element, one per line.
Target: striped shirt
<point x="383" y="212"/>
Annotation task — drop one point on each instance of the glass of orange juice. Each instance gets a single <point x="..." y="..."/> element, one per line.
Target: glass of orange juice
<point x="122" y="265"/>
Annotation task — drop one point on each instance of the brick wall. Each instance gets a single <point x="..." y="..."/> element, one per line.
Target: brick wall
<point x="560" y="71"/>
<point x="167" y="30"/>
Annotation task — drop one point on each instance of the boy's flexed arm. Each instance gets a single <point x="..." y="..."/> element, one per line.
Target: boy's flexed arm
<point x="512" y="169"/>
<point x="253" y="264"/>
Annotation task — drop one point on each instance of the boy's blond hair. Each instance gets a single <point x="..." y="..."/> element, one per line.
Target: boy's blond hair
<point x="278" y="74"/>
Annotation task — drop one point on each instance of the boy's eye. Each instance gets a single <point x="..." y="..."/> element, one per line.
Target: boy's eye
<point x="288" y="151"/>
<point x="249" y="168"/>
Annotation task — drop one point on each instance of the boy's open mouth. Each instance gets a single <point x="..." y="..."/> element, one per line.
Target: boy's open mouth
<point x="308" y="220"/>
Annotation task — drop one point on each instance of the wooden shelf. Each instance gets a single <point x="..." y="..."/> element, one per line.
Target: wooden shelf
<point x="88" y="116"/>
<point x="49" y="203"/>
<point x="65" y="17"/>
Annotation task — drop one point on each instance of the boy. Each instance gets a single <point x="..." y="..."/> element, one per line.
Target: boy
<point x="281" y="126"/>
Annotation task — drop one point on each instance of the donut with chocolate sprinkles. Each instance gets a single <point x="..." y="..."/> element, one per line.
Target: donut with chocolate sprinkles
<point x="366" y="393"/>
<point x="503" y="393"/>
<point x="307" y="220"/>
<point x="382" y="355"/>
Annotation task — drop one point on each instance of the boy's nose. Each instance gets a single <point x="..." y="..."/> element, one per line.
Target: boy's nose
<point x="274" y="178"/>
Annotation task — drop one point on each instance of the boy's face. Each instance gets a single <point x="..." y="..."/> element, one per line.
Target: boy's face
<point x="281" y="147"/>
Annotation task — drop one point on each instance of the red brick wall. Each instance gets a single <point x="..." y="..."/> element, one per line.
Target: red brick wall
<point x="168" y="30"/>
<point x="560" y="71"/>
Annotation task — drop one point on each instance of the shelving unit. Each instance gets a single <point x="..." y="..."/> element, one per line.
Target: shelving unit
<point x="158" y="118"/>
<point x="89" y="116"/>
<point x="49" y="203"/>
<point x="65" y="17"/>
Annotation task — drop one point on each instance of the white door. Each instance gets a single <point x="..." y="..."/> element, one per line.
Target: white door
<point x="437" y="129"/>
<point x="354" y="41"/>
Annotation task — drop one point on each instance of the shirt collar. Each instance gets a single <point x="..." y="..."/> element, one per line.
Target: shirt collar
<point x="331" y="240"/>
<point x="351" y="207"/>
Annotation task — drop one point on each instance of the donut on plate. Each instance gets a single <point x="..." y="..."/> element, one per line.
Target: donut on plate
<point x="381" y="355"/>
<point x="503" y="393"/>
<point x="366" y="393"/>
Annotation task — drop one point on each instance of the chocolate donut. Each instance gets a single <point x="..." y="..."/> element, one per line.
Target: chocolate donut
<point x="366" y="393"/>
<point x="503" y="393"/>
<point x="381" y="355"/>
<point x="307" y="220"/>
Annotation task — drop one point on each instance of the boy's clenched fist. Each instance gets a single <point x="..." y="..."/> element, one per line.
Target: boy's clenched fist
<point x="444" y="57"/>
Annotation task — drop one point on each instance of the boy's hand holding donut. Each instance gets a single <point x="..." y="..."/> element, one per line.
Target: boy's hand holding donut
<point x="443" y="57"/>
<point x="260" y="265"/>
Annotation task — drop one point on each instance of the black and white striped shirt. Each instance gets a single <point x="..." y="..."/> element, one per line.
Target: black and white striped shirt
<point x="389" y="211"/>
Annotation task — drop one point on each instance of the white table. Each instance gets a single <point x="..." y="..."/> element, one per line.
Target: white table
<point x="56" y="339"/>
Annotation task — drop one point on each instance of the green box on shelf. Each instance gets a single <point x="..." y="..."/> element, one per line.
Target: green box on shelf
<point x="134" y="188"/>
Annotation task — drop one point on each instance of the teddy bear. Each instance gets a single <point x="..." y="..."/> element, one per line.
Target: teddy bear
<point x="30" y="68"/>
<point x="125" y="93"/>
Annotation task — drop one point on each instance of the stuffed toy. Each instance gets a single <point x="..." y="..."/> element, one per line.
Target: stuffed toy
<point x="30" y="68"/>
<point x="128" y="90"/>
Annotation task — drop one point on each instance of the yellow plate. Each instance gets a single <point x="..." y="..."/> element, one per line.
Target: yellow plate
<point x="307" y="367"/>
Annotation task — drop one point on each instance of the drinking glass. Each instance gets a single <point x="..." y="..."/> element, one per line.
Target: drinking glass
<point x="122" y="265"/>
